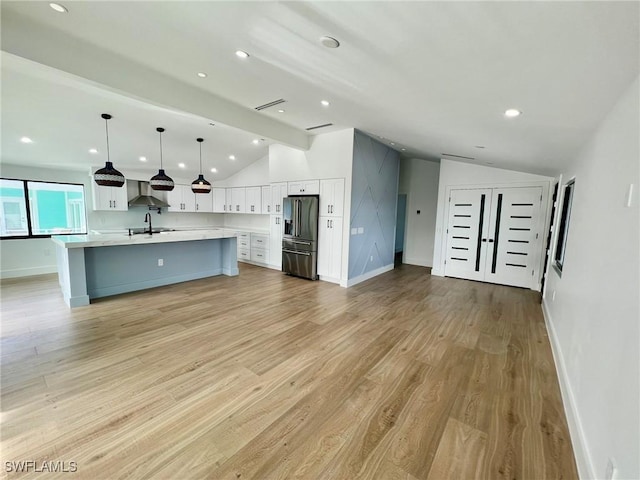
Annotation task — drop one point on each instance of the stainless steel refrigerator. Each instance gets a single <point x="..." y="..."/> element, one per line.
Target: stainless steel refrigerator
<point x="300" y="236"/>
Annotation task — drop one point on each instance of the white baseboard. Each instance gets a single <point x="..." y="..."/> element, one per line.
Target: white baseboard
<point x="329" y="279"/>
<point x="373" y="273"/>
<point x="421" y="262"/>
<point x="28" y="272"/>
<point x="578" y="438"/>
<point x="437" y="272"/>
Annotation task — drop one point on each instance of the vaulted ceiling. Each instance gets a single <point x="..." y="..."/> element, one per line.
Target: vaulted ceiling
<point x="433" y="78"/>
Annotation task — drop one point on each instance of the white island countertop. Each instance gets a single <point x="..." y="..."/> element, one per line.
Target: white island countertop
<point x="113" y="239"/>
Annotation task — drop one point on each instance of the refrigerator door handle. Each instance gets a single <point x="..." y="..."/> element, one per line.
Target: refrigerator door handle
<point x="300" y="243"/>
<point x="306" y="254"/>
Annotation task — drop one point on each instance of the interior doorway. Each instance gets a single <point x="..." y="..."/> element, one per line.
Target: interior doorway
<point x="401" y="216"/>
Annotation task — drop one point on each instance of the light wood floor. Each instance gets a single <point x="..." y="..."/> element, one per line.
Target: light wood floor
<point x="264" y="376"/>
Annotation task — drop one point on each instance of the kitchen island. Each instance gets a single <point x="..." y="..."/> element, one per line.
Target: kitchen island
<point x="94" y="266"/>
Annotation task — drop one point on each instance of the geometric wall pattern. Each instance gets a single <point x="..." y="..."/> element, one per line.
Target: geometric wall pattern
<point x="374" y="197"/>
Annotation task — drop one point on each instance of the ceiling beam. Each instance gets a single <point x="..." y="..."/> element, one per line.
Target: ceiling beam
<point x="53" y="48"/>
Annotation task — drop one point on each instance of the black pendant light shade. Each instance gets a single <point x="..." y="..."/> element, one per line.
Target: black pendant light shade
<point x="200" y="185"/>
<point x="161" y="181"/>
<point x="108" y="176"/>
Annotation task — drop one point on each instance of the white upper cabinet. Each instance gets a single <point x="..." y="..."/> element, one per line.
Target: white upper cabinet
<point x="181" y="199"/>
<point x="278" y="192"/>
<point x="219" y="199"/>
<point x="204" y="202"/>
<point x="253" y="201"/>
<point x="110" y="198"/>
<point x="238" y="200"/>
<point x="304" y="187"/>
<point x="332" y="197"/>
<point x="266" y="198"/>
<point x="229" y="194"/>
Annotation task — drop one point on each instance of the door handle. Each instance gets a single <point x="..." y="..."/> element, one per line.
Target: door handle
<point x="306" y="254"/>
<point x="491" y="240"/>
<point x="484" y="239"/>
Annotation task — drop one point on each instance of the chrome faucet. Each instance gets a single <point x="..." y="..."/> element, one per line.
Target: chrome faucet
<point x="147" y="219"/>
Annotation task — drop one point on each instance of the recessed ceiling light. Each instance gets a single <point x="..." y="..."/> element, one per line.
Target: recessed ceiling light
<point x="403" y="149"/>
<point x="26" y="140"/>
<point x="93" y="150"/>
<point x="142" y="159"/>
<point x="181" y="165"/>
<point x="324" y="103"/>
<point x="255" y="141"/>
<point x="233" y="157"/>
<point x="329" y="42"/>
<point x="281" y="111"/>
<point x="202" y="75"/>
<point x="214" y="170"/>
<point x="58" y="8"/>
<point x="480" y="146"/>
<point x="512" y="113"/>
<point x="212" y="124"/>
<point x="392" y="143"/>
<point x="242" y="54"/>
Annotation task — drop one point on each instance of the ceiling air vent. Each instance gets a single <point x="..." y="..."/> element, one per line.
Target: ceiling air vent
<point x="319" y="126"/>
<point x="457" y="156"/>
<point x="270" y="104"/>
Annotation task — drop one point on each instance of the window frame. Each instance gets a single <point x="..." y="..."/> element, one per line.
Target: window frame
<point x="25" y="190"/>
<point x="564" y="219"/>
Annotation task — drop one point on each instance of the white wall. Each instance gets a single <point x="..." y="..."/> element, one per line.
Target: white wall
<point x="253" y="175"/>
<point x="594" y="319"/>
<point x="330" y="156"/>
<point x="460" y="174"/>
<point x="419" y="180"/>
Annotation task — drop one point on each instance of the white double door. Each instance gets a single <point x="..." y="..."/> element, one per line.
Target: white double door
<point x="494" y="235"/>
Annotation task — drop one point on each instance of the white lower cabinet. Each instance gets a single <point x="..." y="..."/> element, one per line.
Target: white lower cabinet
<point x="253" y="247"/>
<point x="330" y="248"/>
<point x="260" y="248"/>
<point x="275" y="241"/>
<point x="244" y="245"/>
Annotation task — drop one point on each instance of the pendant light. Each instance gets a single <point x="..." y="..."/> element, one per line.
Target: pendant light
<point x="108" y="176"/>
<point x="161" y="181"/>
<point x="200" y="185"/>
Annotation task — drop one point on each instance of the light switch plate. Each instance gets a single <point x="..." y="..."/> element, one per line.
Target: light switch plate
<point x="354" y="231"/>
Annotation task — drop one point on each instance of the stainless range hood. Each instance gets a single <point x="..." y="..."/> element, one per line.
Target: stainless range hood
<point x="145" y="199"/>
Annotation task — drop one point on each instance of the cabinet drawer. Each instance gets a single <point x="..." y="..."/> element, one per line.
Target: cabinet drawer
<point x="243" y="244"/>
<point x="244" y="254"/>
<point x="244" y="236"/>
<point x="259" y="255"/>
<point x="259" y="241"/>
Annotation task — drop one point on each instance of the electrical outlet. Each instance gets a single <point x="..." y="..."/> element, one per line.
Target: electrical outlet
<point x="611" y="471"/>
<point x="161" y="262"/>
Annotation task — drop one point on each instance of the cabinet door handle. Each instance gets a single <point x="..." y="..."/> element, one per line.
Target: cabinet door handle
<point x="268" y="208"/>
<point x="331" y="208"/>
<point x="328" y="208"/>
<point x="197" y="207"/>
<point x="327" y="223"/>
<point x="331" y="223"/>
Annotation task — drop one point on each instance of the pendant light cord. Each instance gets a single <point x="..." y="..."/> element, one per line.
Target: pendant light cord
<point x="160" y="149"/>
<point x="200" y="158"/>
<point x="106" y="126"/>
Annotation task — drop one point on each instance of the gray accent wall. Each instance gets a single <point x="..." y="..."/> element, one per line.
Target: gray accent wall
<point x="374" y="195"/>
